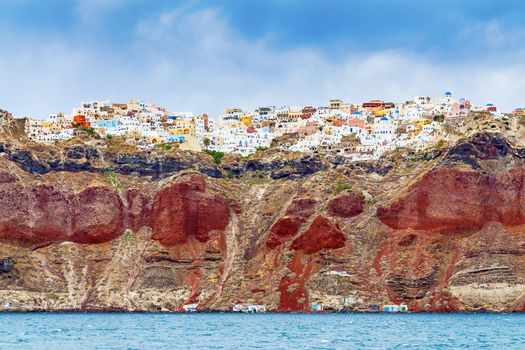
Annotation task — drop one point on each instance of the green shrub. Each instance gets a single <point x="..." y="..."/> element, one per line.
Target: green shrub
<point x="113" y="180"/>
<point x="217" y="156"/>
<point x="165" y="146"/>
<point x="341" y="186"/>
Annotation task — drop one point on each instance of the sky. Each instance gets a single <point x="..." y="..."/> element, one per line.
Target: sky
<point x="206" y="55"/>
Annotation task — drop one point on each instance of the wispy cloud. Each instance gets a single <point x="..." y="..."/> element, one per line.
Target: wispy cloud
<point x="192" y="58"/>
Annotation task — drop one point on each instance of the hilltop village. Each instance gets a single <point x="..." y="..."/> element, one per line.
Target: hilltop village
<point x="357" y="131"/>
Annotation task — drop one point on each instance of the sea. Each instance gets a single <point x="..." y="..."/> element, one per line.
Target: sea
<point x="260" y="331"/>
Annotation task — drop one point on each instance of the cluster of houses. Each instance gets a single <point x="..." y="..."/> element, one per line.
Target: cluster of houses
<point x="142" y="123"/>
<point x="357" y="131"/>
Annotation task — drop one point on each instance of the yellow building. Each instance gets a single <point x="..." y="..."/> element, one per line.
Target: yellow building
<point x="182" y="126"/>
<point x="421" y="122"/>
<point x="379" y="112"/>
<point x="418" y="123"/>
<point x="133" y="105"/>
<point x="295" y="113"/>
<point x="101" y="131"/>
<point x="154" y="139"/>
<point x="233" y="110"/>
<point x="247" y="119"/>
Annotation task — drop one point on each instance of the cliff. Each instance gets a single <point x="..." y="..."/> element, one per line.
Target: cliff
<point x="85" y="225"/>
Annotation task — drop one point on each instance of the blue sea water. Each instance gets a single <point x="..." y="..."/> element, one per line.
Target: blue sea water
<point x="261" y="331"/>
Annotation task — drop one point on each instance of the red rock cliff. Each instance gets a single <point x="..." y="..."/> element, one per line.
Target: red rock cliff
<point x="42" y="214"/>
<point x="184" y="209"/>
<point x="450" y="198"/>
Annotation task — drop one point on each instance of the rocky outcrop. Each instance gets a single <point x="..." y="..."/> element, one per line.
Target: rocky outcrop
<point x="41" y="214"/>
<point x="482" y="146"/>
<point x="409" y="288"/>
<point x="6" y="265"/>
<point x="299" y="210"/>
<point x="346" y="205"/>
<point x="320" y="235"/>
<point x="279" y="165"/>
<point x="282" y="230"/>
<point x="89" y="159"/>
<point x="449" y="199"/>
<point x="184" y="209"/>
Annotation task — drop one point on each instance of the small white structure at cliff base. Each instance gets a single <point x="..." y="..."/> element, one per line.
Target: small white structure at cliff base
<point x="251" y="308"/>
<point x="190" y="307"/>
<point x="395" y="308"/>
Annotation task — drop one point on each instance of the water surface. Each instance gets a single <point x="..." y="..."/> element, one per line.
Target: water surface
<point x="261" y="331"/>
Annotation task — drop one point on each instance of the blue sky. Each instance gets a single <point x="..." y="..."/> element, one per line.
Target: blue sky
<point x="205" y="55"/>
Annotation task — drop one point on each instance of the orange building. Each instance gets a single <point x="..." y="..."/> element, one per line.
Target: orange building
<point x="80" y="120"/>
<point x="519" y="111"/>
<point x="338" y="122"/>
<point x="356" y="122"/>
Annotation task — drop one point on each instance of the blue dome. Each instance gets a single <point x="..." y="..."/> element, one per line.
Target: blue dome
<point x="489" y="105"/>
<point x="448" y="93"/>
<point x="357" y="112"/>
<point x="462" y="99"/>
<point x="383" y="118"/>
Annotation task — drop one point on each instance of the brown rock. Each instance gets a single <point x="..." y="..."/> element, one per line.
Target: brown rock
<point x="346" y="205"/>
<point x="320" y="235"/>
<point x="302" y="207"/>
<point x="183" y="209"/>
<point x="42" y="214"/>
<point x="451" y="198"/>
<point x="284" y="228"/>
<point x="138" y="213"/>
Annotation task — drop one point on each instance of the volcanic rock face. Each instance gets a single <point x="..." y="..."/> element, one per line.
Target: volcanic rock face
<point x="444" y="232"/>
<point x="42" y="214"/>
<point x="184" y="209"/>
<point x="482" y="146"/>
<point x="284" y="228"/>
<point x="453" y="199"/>
<point x="320" y="235"/>
<point x="296" y="214"/>
<point x="444" y="211"/>
<point x="346" y="205"/>
<point x="84" y="158"/>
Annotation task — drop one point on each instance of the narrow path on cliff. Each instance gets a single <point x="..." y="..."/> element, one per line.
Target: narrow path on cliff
<point x="231" y="248"/>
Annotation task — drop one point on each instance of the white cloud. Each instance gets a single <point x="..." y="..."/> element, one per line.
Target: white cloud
<point x="192" y="59"/>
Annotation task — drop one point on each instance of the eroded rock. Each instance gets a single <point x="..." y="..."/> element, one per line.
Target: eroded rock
<point x="320" y="235"/>
<point x="184" y="209"/>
